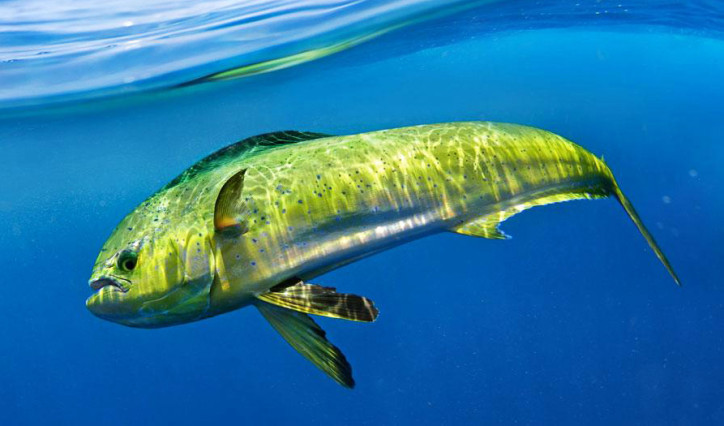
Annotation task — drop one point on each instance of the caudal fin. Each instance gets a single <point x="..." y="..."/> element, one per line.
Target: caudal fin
<point x="626" y="204"/>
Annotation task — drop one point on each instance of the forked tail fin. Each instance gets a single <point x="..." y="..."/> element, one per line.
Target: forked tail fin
<point x="626" y="204"/>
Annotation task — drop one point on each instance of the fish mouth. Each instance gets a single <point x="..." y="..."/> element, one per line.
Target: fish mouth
<point x="110" y="282"/>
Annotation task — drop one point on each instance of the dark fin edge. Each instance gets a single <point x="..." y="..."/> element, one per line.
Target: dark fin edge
<point x="633" y="215"/>
<point x="324" y="301"/>
<point x="310" y="340"/>
<point x="242" y="149"/>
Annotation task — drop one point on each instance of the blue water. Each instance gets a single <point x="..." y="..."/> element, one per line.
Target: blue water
<point x="572" y="321"/>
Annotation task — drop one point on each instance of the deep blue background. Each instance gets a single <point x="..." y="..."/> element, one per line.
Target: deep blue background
<point x="571" y="321"/>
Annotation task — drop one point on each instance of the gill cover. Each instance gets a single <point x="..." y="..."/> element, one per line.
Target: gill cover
<point x="184" y="277"/>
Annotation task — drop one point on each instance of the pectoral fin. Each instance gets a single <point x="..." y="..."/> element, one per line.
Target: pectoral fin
<point x="318" y="300"/>
<point x="230" y="208"/>
<point x="310" y="340"/>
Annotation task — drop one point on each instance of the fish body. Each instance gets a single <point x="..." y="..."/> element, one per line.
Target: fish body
<point x="254" y="222"/>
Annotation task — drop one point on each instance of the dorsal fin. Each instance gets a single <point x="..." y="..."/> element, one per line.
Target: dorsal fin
<point x="244" y="148"/>
<point x="284" y="137"/>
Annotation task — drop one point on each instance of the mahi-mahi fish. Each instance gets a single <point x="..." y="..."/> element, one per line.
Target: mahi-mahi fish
<point x="254" y="222"/>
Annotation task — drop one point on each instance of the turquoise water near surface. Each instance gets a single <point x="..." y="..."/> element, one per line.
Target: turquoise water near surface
<point x="571" y="321"/>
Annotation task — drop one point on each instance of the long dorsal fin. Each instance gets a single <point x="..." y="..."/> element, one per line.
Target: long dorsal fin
<point x="304" y="335"/>
<point x="244" y="148"/>
<point x="323" y="301"/>
<point x="230" y="208"/>
<point x="279" y="138"/>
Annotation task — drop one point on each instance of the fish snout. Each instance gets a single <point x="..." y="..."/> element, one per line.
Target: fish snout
<point x="103" y="282"/>
<point x="107" y="301"/>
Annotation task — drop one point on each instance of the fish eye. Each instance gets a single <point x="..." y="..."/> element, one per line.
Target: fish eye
<point x="127" y="260"/>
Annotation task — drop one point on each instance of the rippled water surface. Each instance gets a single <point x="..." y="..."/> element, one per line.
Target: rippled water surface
<point x="78" y="49"/>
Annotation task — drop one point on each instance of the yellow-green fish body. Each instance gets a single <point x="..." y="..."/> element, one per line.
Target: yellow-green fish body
<point x="252" y="223"/>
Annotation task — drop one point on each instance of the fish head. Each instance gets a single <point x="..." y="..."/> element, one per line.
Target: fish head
<point x="151" y="277"/>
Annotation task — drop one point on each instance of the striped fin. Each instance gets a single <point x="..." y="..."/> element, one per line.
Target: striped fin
<point x="488" y="226"/>
<point x="318" y="300"/>
<point x="304" y="335"/>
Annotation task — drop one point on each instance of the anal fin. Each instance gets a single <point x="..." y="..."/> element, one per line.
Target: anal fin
<point x="323" y="301"/>
<point x="304" y="335"/>
<point x="487" y="226"/>
<point x="484" y="227"/>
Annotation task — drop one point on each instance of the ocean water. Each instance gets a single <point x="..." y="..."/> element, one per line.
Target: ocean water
<point x="572" y="321"/>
